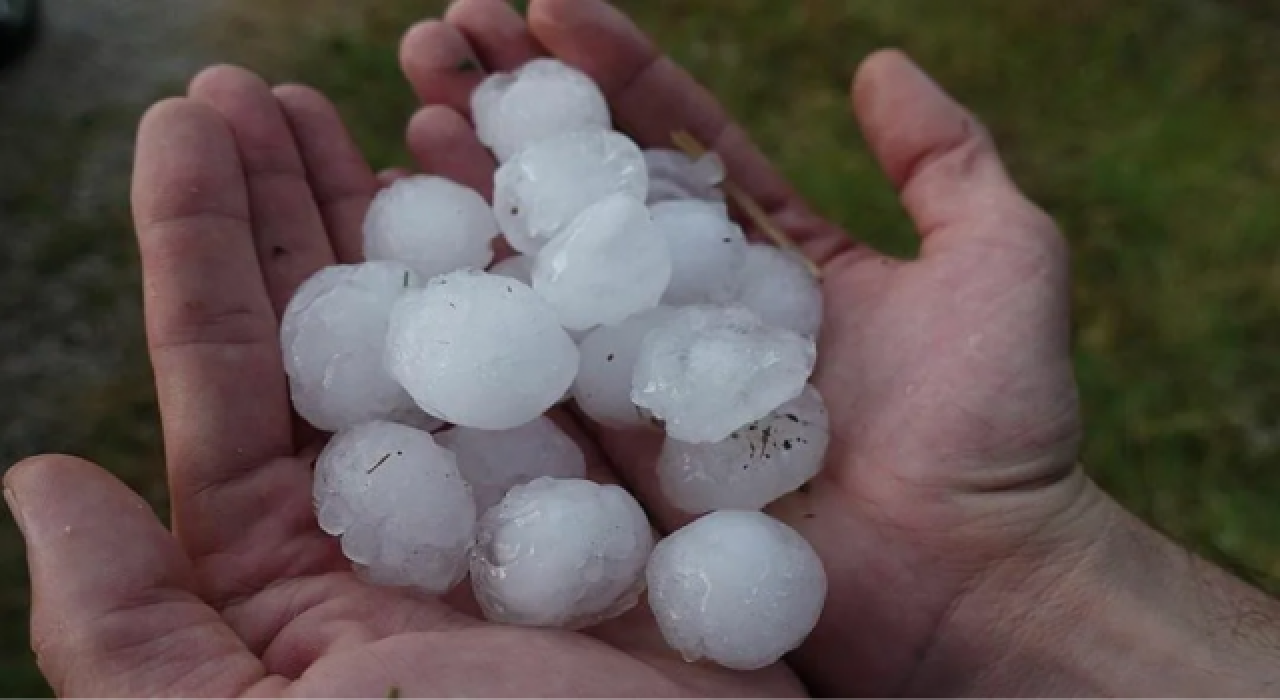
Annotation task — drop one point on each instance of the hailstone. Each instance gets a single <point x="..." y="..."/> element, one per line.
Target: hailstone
<point x="778" y="286"/>
<point x="493" y="461"/>
<point x="542" y="98"/>
<point x="674" y="176"/>
<point x="431" y="224"/>
<point x="608" y="359"/>
<point x="736" y="587"/>
<point x="708" y="252"/>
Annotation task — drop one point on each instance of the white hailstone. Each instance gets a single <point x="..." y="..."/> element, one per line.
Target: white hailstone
<point x="754" y="466"/>
<point x="608" y="359"/>
<point x="778" y="286"/>
<point x="493" y="461"/>
<point x="542" y="98"/>
<point x="396" y="498"/>
<point x="708" y="371"/>
<point x="707" y="251"/>
<point x="736" y="587"/>
<point x="332" y="336"/>
<point x="480" y="350"/>
<point x="431" y="224"/>
<point x="560" y="553"/>
<point x="674" y="175"/>
<point x="539" y="192"/>
<point x="609" y="264"/>
<point x="517" y="267"/>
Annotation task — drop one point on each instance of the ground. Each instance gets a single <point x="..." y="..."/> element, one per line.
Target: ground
<point x="1150" y="130"/>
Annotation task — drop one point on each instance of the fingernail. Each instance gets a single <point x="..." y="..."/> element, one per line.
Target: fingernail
<point x="12" y="501"/>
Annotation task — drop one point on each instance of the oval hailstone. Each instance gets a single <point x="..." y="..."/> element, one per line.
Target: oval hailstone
<point x="540" y="191"/>
<point x="542" y="98"/>
<point x="431" y="224"/>
<point x="493" y="461"/>
<point x="480" y="350"/>
<point x="754" y="466"/>
<point x="780" y="289"/>
<point x="333" y="334"/>
<point x="736" y="587"/>
<point x="708" y="371"/>
<point x="675" y="176"/>
<point x="560" y="553"/>
<point x="609" y="264"/>
<point x="404" y="513"/>
<point x="708" y="252"/>
<point x="607" y="361"/>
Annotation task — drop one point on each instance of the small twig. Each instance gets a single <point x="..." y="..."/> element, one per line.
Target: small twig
<point x="381" y="462"/>
<point x="693" y="148"/>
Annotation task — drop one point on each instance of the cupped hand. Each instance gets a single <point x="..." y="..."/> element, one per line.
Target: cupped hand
<point x="950" y="486"/>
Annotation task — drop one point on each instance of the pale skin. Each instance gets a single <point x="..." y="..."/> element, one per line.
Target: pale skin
<point x="967" y="551"/>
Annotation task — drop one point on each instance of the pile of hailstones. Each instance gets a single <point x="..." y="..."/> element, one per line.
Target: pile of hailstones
<point x="634" y="295"/>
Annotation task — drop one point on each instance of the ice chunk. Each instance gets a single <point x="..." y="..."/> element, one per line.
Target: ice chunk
<point x="332" y="335"/>
<point x="754" y="466"/>
<point x="710" y="370"/>
<point x="560" y="553"/>
<point x="707" y="252"/>
<point x="431" y="224"/>
<point x="674" y="176"/>
<point x="480" y="350"/>
<point x="736" y="587"/>
<point x="396" y="498"/>
<point x="542" y="98"/>
<point x="538" y="193"/>
<point x="493" y="461"/>
<point x="609" y="264"/>
<point x="780" y="289"/>
<point x="517" y="267"/>
<point x="608" y="359"/>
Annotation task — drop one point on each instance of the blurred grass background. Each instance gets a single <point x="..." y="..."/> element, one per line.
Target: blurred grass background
<point x="1149" y="129"/>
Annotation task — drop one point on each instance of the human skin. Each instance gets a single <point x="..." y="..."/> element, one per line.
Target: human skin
<point x="967" y="552"/>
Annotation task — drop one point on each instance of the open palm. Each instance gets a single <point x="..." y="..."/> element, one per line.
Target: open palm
<point x="947" y="379"/>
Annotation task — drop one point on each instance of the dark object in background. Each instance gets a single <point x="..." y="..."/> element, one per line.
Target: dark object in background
<point x="19" y="20"/>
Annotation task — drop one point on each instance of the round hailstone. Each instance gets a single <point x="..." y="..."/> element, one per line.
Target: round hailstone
<point x="517" y="267"/>
<point x="560" y="553"/>
<point x="609" y="264"/>
<point x="608" y="359"/>
<point x="779" y="287"/>
<point x="493" y="461"/>
<point x="396" y="498"/>
<point x="333" y="333"/>
<point x="707" y="252"/>
<point x="543" y="98"/>
<point x="674" y="175"/>
<point x="711" y="370"/>
<point x="539" y="192"/>
<point x="736" y="587"/>
<point x="754" y="466"/>
<point x="431" y="224"/>
<point x="480" y="350"/>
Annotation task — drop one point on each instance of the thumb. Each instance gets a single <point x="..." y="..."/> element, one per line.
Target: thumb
<point x="113" y="613"/>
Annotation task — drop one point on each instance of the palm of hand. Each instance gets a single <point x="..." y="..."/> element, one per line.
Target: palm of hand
<point x="947" y="379"/>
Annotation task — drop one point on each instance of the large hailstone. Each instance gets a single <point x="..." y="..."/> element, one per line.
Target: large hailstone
<point x="736" y="587"/>
<point x="675" y="176"/>
<point x="609" y="264"/>
<point x="754" y="466"/>
<point x="711" y="370"/>
<point x="560" y="553"/>
<point x="431" y="224"/>
<point x="493" y="461"/>
<point x="608" y="360"/>
<point x="539" y="192"/>
<point x="395" y="497"/>
<point x="779" y="287"/>
<point x="333" y="333"/>
<point x="708" y="251"/>
<point x="541" y="99"/>
<point x="480" y="350"/>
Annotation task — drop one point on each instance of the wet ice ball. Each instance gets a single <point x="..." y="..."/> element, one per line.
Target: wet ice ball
<point x="675" y="176"/>
<point x="480" y="350"/>
<point x="542" y="98"/>
<point x="708" y="252"/>
<point x="493" y="461"/>
<point x="608" y="359"/>
<point x="431" y="224"/>
<point x="736" y="587"/>
<point x="560" y="553"/>
<point x="778" y="286"/>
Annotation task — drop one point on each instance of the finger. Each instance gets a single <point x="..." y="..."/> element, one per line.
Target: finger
<point x="440" y="65"/>
<point x="651" y="97"/>
<point x="443" y="143"/>
<point x="113" y="612"/>
<point x="211" y="331"/>
<point x="341" y="180"/>
<point x="497" y="33"/>
<point x="387" y="177"/>
<point x="288" y="230"/>
<point x="939" y="157"/>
